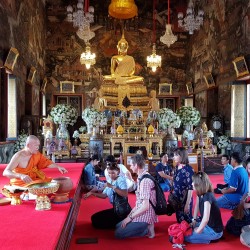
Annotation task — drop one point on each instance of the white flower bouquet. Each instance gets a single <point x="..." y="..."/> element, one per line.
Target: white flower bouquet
<point x="76" y="134"/>
<point x="83" y="129"/>
<point x="20" y="142"/>
<point x="189" y="115"/>
<point x="91" y="116"/>
<point x="210" y="134"/>
<point x="63" y="113"/>
<point x="223" y="141"/>
<point x="168" y="119"/>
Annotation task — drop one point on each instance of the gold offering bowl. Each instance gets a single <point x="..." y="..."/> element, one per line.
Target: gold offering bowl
<point x="13" y="192"/>
<point x="42" y="190"/>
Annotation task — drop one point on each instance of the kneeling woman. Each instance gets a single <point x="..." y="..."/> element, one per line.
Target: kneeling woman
<point x="107" y="219"/>
<point x="210" y="227"/>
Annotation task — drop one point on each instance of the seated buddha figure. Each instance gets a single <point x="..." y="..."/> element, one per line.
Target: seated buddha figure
<point x="123" y="66"/>
<point x="153" y="103"/>
<point x="100" y="102"/>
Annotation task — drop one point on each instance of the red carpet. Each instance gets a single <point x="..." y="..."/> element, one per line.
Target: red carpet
<point x="106" y="238"/>
<point x="22" y="227"/>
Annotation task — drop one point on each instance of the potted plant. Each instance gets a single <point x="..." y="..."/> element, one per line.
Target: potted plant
<point x="222" y="143"/>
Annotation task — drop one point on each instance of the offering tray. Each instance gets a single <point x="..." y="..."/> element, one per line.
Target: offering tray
<point x="42" y="190"/>
<point x="13" y="192"/>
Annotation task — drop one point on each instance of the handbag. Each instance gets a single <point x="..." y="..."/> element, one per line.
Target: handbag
<point x="175" y="203"/>
<point x="121" y="206"/>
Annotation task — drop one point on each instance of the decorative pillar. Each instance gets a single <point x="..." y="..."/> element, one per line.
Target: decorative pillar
<point x="238" y="108"/>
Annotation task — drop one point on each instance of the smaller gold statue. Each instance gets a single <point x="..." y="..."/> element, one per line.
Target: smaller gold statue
<point x="100" y="102"/>
<point x="153" y="103"/>
<point x="204" y="127"/>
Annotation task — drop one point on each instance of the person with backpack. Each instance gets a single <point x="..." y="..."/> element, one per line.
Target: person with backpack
<point x="210" y="226"/>
<point x="140" y="221"/>
<point x="182" y="186"/>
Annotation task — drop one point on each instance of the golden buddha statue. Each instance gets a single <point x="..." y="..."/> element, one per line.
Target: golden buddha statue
<point x="153" y="101"/>
<point x="100" y="102"/>
<point x="122" y="84"/>
<point x="123" y="66"/>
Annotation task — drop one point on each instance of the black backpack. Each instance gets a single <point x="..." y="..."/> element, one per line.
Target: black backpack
<point x="161" y="203"/>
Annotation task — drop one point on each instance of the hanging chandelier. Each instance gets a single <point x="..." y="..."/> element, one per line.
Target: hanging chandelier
<point x="123" y="9"/>
<point x="81" y="17"/>
<point x="168" y="38"/>
<point x="154" y="61"/>
<point x="85" y="34"/>
<point x="190" y="22"/>
<point x="87" y="57"/>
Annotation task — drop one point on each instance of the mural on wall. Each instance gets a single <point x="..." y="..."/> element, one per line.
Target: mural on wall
<point x="65" y="47"/>
<point x="214" y="47"/>
<point x="201" y="103"/>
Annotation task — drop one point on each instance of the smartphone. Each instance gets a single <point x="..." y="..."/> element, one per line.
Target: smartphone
<point x="86" y="240"/>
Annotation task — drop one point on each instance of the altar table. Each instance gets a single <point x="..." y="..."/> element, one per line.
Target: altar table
<point x="23" y="227"/>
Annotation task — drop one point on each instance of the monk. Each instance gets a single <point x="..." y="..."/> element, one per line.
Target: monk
<point x="25" y="166"/>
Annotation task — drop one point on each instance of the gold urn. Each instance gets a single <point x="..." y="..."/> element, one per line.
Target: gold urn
<point x="120" y="130"/>
<point x="151" y="130"/>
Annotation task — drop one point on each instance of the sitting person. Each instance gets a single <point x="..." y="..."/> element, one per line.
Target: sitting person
<point x="237" y="187"/>
<point x="140" y="221"/>
<point x="211" y="226"/>
<point x="237" y="221"/>
<point x="26" y="165"/>
<point x="90" y="178"/>
<point x="227" y="174"/>
<point x="124" y="172"/>
<point x="107" y="219"/>
<point x="163" y="173"/>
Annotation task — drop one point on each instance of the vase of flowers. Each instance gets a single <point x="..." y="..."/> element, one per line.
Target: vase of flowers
<point x="63" y="113"/>
<point x="92" y="118"/>
<point x="76" y="136"/>
<point x="222" y="143"/>
<point x="189" y="115"/>
<point x="168" y="119"/>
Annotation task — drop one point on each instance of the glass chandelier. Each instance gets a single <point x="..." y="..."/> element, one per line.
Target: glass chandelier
<point x="154" y="61"/>
<point x="168" y="38"/>
<point x="87" y="57"/>
<point x="81" y="17"/>
<point x="190" y="22"/>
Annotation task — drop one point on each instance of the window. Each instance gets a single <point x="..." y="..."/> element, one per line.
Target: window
<point x="12" y="107"/>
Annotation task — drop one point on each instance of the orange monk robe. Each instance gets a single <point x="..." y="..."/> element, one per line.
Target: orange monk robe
<point x="33" y="170"/>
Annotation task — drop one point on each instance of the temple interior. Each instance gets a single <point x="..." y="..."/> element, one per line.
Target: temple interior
<point x="123" y="75"/>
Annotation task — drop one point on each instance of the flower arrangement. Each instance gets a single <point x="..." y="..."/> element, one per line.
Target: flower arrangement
<point x="21" y="141"/>
<point x="223" y="141"/>
<point x="189" y="115"/>
<point x="168" y="119"/>
<point x="210" y="134"/>
<point x="76" y="134"/>
<point x="63" y="113"/>
<point x="93" y="117"/>
<point x="83" y="129"/>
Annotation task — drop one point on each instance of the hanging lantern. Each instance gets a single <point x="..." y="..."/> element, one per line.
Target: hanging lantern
<point x="123" y="9"/>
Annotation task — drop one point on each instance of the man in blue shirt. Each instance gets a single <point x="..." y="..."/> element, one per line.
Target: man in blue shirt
<point x="164" y="173"/>
<point x="227" y="174"/>
<point x="238" y="184"/>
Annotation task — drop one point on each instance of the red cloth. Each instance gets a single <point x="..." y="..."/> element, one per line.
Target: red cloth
<point x="177" y="232"/>
<point x="22" y="227"/>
